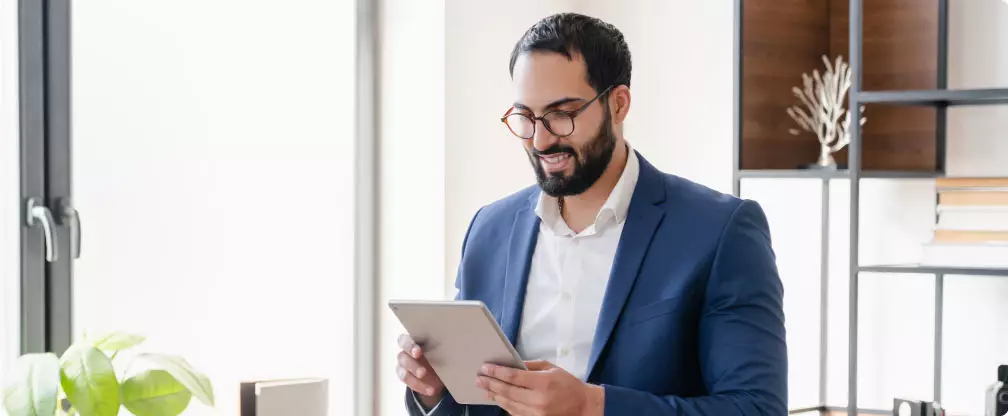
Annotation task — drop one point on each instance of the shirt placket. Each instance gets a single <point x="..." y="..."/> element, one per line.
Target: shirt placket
<point x="566" y="317"/>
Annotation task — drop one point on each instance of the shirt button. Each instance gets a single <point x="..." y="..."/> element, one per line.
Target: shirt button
<point x="566" y="296"/>
<point x="564" y="352"/>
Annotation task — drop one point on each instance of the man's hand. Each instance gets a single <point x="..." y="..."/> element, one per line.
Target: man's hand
<point x="416" y="372"/>
<point x="543" y="390"/>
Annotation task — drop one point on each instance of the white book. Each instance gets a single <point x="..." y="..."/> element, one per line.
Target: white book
<point x="301" y="397"/>
<point x="965" y="255"/>
<point x="973" y="218"/>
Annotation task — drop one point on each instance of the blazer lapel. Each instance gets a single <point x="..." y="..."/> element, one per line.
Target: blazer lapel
<point x="642" y="220"/>
<point x="519" y="258"/>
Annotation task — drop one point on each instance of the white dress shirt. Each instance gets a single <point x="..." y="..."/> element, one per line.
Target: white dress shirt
<point x="568" y="278"/>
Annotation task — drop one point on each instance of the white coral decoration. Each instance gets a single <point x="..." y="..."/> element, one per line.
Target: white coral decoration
<point x="824" y="99"/>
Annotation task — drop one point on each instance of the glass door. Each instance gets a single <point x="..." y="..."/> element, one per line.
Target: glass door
<point x="213" y="173"/>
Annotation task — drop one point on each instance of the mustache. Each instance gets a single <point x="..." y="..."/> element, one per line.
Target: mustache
<point x="553" y="150"/>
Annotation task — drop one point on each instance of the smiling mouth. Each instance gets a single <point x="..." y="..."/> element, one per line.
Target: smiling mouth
<point x="555" y="162"/>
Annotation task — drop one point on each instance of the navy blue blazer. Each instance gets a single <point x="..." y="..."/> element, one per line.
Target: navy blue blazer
<point x="692" y="321"/>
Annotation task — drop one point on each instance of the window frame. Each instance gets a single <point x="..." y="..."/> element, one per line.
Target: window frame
<point x="44" y="143"/>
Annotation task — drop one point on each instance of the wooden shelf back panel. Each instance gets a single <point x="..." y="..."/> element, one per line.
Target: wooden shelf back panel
<point x="897" y="138"/>
<point x="780" y="40"/>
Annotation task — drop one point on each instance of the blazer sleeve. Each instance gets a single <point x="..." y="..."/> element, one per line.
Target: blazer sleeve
<point x="743" y="353"/>
<point x="447" y="406"/>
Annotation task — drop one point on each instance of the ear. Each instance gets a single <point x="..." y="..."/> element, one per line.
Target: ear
<point x="619" y="103"/>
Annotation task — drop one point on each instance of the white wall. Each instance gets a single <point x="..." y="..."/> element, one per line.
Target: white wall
<point x="978" y="58"/>
<point x="10" y="205"/>
<point x="411" y="179"/>
<point x="681" y="114"/>
<point x="681" y="121"/>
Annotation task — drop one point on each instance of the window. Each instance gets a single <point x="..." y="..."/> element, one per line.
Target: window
<point x="200" y="174"/>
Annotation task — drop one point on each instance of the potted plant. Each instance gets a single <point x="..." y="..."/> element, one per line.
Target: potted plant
<point x="84" y="381"/>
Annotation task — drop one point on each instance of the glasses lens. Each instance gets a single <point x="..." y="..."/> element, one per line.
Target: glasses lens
<point x="560" y="123"/>
<point x="521" y="125"/>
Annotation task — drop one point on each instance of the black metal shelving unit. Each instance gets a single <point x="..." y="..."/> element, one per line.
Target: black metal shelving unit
<point x="940" y="98"/>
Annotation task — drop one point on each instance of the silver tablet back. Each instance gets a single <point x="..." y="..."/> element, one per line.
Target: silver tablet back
<point x="457" y="338"/>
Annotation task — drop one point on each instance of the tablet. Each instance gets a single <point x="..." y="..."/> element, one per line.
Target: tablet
<point x="457" y="338"/>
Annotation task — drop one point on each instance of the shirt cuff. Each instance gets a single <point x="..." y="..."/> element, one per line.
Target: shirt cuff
<point x="421" y="407"/>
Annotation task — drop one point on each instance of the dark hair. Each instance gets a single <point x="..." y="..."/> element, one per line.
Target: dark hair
<point x="605" y="51"/>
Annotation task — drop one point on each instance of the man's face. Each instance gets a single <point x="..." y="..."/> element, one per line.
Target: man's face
<point x="568" y="165"/>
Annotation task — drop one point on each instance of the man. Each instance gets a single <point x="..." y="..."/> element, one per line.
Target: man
<point x="630" y="291"/>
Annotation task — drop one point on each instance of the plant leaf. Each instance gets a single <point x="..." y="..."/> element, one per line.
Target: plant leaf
<point x="197" y="383"/>
<point x="90" y="382"/>
<point x="155" y="393"/>
<point x="33" y="386"/>
<point x="113" y="342"/>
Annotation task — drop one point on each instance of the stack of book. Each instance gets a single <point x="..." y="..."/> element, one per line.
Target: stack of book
<point x="972" y="223"/>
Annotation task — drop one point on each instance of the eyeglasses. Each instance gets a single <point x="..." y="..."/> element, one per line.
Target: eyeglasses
<point x="558" y="122"/>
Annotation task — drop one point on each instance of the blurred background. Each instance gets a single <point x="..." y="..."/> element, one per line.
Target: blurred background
<point x="254" y="180"/>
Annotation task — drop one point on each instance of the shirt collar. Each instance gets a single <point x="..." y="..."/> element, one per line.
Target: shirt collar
<point x="617" y="204"/>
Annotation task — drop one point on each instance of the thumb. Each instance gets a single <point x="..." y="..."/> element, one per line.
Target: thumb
<point x="539" y="365"/>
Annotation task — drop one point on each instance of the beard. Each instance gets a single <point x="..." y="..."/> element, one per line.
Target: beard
<point x="587" y="166"/>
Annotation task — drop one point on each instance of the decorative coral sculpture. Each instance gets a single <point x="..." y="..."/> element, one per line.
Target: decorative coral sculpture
<point x="825" y="114"/>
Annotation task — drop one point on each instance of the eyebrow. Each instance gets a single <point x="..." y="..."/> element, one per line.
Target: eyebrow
<point x="552" y="105"/>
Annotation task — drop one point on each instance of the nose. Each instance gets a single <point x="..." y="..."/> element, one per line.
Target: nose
<point x="543" y="139"/>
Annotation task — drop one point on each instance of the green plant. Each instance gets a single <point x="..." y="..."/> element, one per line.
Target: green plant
<point x="84" y="382"/>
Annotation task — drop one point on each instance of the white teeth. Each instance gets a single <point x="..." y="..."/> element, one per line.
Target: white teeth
<point x="555" y="159"/>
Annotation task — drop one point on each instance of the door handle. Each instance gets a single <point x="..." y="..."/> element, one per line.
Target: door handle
<point x="38" y="214"/>
<point x="71" y="219"/>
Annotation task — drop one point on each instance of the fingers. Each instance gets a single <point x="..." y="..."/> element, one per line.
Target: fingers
<point x="408" y="346"/>
<point x="412" y="365"/>
<point x="509" y="393"/>
<point x="503" y="394"/>
<point x="414" y="383"/>
<point x="509" y="375"/>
